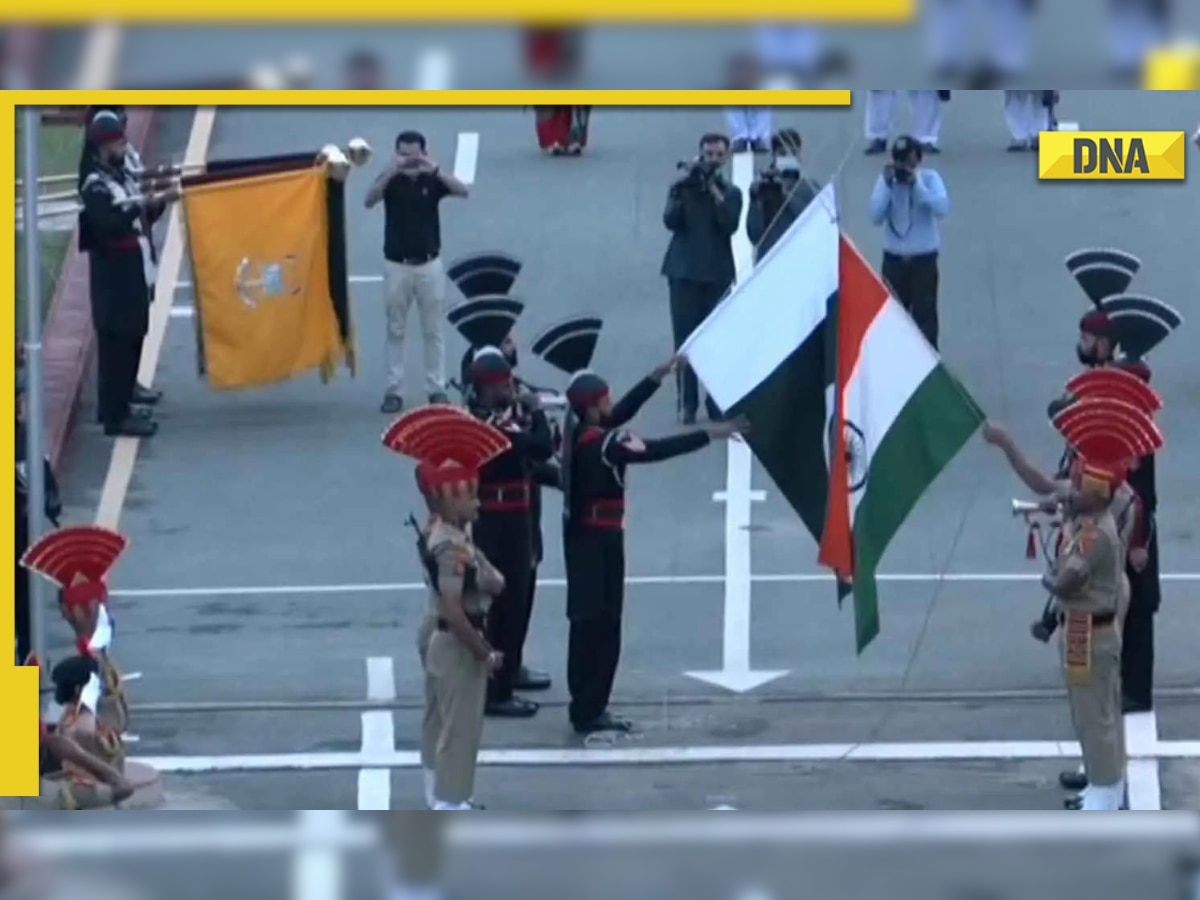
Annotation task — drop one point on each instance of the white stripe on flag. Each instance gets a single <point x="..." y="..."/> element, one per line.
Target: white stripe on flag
<point x="770" y="314"/>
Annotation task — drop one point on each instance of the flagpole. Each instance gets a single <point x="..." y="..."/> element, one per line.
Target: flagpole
<point x="35" y="451"/>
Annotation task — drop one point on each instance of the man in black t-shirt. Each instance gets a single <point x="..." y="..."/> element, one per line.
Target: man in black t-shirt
<point x="411" y="188"/>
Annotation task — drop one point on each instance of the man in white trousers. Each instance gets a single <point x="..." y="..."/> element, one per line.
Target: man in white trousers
<point x="411" y="187"/>
<point x="926" y="118"/>
<point x="749" y="126"/>
<point x="1027" y="114"/>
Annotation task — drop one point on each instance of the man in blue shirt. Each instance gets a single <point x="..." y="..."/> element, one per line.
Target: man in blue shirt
<point x="909" y="202"/>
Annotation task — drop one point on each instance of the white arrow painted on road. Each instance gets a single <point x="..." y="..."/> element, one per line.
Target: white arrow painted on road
<point x="735" y="673"/>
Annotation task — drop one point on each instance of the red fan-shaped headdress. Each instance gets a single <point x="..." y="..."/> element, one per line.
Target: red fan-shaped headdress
<point x="1115" y="384"/>
<point x="77" y="559"/>
<point x="449" y="445"/>
<point x="1107" y="436"/>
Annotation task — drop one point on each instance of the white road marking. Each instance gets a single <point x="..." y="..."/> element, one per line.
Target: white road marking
<point x="339" y="832"/>
<point x="466" y="157"/>
<point x="378" y="735"/>
<point x="735" y="673"/>
<point x="434" y="71"/>
<point x="1143" y="773"/>
<point x="1068" y="126"/>
<point x="318" y="867"/>
<point x="125" y="450"/>
<point x="639" y="581"/>
<point x="101" y="55"/>
<point x="931" y="751"/>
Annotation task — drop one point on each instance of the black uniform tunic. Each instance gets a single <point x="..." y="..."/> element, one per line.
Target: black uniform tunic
<point x="594" y="544"/>
<point x="117" y="239"/>
<point x="1145" y="595"/>
<point x="505" y="534"/>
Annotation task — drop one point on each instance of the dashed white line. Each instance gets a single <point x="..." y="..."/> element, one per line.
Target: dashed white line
<point x="378" y="735"/>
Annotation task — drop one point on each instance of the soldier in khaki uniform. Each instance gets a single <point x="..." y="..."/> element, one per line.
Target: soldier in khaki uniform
<point x="450" y="448"/>
<point x="1107" y="423"/>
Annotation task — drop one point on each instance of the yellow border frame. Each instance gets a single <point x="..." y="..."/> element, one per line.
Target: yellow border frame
<point x="876" y="12"/>
<point x="20" y="706"/>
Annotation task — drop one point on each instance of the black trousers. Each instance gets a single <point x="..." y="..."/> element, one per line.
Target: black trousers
<point x="595" y="562"/>
<point x="914" y="282"/>
<point x="506" y="539"/>
<point x="1137" y="646"/>
<point x="117" y="359"/>
<point x="691" y="303"/>
<point x="526" y="619"/>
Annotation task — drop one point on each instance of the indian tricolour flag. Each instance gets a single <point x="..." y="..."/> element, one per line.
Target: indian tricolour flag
<point x="851" y="412"/>
<point x="898" y="418"/>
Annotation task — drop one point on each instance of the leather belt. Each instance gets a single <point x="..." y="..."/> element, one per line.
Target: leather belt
<point x="513" y="496"/>
<point x="608" y="514"/>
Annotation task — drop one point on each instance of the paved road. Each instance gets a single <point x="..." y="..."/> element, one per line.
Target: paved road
<point x="269" y="559"/>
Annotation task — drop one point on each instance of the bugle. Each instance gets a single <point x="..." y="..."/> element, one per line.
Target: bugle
<point x="338" y="162"/>
<point x="1030" y="508"/>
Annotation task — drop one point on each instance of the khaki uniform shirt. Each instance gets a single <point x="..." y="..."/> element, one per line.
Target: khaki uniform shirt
<point x="1092" y="549"/>
<point x="453" y="554"/>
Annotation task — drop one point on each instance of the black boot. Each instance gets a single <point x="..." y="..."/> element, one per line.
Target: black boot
<point x="144" y="396"/>
<point x="512" y="708"/>
<point x="604" y="722"/>
<point x="529" y="680"/>
<point x="1072" y="781"/>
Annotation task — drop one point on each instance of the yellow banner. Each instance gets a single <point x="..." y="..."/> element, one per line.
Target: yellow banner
<point x="1112" y="155"/>
<point x="260" y="266"/>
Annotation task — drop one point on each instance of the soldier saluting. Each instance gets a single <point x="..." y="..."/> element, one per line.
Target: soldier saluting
<point x="451" y="448"/>
<point x="597" y="450"/>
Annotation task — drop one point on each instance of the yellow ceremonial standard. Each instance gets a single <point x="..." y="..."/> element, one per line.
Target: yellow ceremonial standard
<point x="1112" y="155"/>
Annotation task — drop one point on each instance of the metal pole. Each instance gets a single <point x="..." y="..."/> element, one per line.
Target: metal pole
<point x="35" y="418"/>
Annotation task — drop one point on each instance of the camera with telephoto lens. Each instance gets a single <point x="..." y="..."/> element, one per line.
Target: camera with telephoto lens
<point x="700" y="171"/>
<point x="906" y="153"/>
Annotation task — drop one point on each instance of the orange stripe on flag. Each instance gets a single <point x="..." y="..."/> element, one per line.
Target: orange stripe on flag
<point x="862" y="296"/>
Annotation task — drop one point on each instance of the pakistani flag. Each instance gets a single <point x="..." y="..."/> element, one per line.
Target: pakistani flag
<point x="851" y="412"/>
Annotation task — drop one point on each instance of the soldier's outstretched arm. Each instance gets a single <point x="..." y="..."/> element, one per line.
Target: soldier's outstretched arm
<point x="454" y="567"/>
<point x="1033" y="477"/>
<point x="622" y="448"/>
<point x="631" y="404"/>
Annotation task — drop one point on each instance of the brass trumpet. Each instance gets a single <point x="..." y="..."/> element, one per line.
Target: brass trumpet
<point x="338" y="162"/>
<point x="1029" y="508"/>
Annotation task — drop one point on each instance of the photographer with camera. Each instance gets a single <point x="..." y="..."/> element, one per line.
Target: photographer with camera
<point x="779" y="195"/>
<point x="910" y="201"/>
<point x="702" y="213"/>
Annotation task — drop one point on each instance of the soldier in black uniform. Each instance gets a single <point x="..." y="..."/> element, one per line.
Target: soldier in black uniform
<point x="597" y="450"/>
<point x="115" y="231"/>
<point x="505" y="528"/>
<point x="486" y="319"/>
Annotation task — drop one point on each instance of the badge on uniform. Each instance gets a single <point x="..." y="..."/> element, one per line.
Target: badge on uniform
<point x="1077" y="647"/>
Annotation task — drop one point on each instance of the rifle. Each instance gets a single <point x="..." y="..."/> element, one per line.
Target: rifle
<point x="423" y="553"/>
